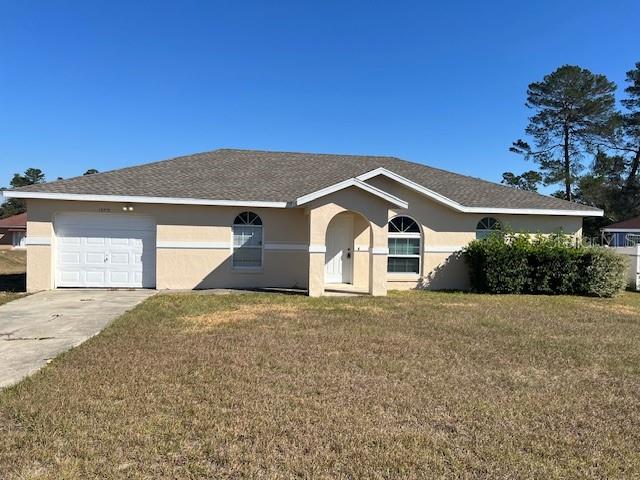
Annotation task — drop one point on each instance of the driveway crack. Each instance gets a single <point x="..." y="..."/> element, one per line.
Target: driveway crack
<point x="10" y="338"/>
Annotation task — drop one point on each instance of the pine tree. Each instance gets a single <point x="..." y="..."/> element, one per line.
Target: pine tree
<point x="573" y="109"/>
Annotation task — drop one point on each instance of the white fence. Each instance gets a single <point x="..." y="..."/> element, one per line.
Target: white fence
<point x="633" y="253"/>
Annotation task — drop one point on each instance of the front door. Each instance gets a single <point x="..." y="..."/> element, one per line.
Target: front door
<point x="339" y="256"/>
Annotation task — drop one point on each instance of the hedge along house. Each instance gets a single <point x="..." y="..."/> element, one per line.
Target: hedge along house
<point x="254" y="219"/>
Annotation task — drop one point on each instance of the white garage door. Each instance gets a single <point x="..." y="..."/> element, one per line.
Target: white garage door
<point x="113" y="251"/>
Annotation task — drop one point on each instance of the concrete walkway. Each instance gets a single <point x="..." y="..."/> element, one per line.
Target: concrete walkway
<point x="37" y="328"/>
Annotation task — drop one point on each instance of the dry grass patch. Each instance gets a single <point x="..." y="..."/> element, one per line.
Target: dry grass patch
<point x="13" y="261"/>
<point x="413" y="385"/>
<point x="241" y="313"/>
<point x="6" y="297"/>
<point x="13" y="265"/>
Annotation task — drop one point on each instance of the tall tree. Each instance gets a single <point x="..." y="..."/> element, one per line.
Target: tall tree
<point x="573" y="108"/>
<point x="526" y="181"/>
<point x="91" y="171"/>
<point x="31" y="176"/>
<point x="631" y="125"/>
<point x="604" y="187"/>
<point x="14" y="206"/>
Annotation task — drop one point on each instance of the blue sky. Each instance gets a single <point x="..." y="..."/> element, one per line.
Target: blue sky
<point x="109" y="84"/>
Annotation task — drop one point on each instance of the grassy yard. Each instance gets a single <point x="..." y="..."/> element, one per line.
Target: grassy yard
<point x="12" y="274"/>
<point x="413" y="385"/>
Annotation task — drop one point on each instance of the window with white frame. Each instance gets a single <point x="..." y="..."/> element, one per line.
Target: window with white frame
<point x="487" y="226"/>
<point x="404" y="246"/>
<point x="247" y="241"/>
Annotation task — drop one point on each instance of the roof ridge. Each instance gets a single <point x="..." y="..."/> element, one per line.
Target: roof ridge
<point x="249" y="150"/>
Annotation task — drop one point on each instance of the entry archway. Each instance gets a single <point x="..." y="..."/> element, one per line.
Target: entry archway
<point x="348" y="245"/>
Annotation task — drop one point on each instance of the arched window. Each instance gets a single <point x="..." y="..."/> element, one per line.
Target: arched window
<point x="247" y="241"/>
<point x="404" y="246"/>
<point x="487" y="226"/>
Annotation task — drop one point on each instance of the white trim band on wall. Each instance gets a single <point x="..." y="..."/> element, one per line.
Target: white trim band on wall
<point x="317" y="249"/>
<point x="380" y="250"/>
<point x="445" y="249"/>
<point x="195" y="245"/>
<point x="38" y="241"/>
<point x="286" y="247"/>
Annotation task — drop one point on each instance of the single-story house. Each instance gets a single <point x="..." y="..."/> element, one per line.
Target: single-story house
<point x="622" y="234"/>
<point x="13" y="231"/>
<point x="256" y="219"/>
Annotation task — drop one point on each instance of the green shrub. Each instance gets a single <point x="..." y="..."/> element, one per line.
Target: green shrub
<point x="508" y="263"/>
<point x="605" y="272"/>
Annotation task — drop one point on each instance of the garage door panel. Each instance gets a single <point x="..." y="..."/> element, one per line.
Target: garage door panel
<point x="94" y="242"/>
<point x="121" y="258"/>
<point x="123" y="278"/>
<point x="94" y="278"/>
<point x="69" y="241"/>
<point x="69" y="277"/>
<point x="69" y="258"/>
<point x="105" y="251"/>
<point x="122" y="242"/>
<point x="94" y="258"/>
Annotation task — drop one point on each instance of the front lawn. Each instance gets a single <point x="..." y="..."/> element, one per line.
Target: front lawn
<point x="412" y="385"/>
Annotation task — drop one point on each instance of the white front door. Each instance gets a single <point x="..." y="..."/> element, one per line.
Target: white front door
<point x="339" y="256"/>
<point x="114" y="251"/>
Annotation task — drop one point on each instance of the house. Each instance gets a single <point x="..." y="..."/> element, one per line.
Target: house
<point x="245" y="219"/>
<point x="13" y="231"/>
<point x="622" y="234"/>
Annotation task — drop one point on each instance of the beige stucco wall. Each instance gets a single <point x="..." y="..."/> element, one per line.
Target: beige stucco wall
<point x="444" y="231"/>
<point x="186" y="268"/>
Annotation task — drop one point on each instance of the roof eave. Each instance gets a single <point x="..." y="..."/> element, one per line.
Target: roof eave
<point x="437" y="197"/>
<point x="142" y="199"/>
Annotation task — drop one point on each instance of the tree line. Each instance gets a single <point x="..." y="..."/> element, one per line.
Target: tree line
<point x="575" y="119"/>
<point x="31" y="176"/>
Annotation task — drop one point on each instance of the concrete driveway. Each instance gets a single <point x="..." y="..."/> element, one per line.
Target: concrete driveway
<point x="37" y="328"/>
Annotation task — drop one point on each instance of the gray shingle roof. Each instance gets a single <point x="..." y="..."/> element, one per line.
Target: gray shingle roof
<point x="283" y="176"/>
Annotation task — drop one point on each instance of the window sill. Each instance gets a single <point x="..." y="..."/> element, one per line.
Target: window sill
<point x="403" y="277"/>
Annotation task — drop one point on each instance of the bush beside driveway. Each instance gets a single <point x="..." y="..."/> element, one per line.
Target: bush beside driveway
<point x="413" y="385"/>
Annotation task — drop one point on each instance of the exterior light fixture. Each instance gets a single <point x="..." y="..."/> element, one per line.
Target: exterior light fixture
<point x="127" y="208"/>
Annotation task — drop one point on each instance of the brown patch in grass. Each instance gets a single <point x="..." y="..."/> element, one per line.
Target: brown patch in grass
<point x="242" y="313"/>
<point x="618" y="309"/>
<point x="363" y="308"/>
<point x="459" y="304"/>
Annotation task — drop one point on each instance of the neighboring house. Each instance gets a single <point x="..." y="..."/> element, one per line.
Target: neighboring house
<point x="622" y="234"/>
<point x="242" y="219"/>
<point x="13" y="231"/>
